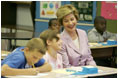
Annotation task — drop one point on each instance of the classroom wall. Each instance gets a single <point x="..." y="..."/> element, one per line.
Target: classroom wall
<point x="23" y="18"/>
<point x="42" y="24"/>
<point x="21" y="15"/>
<point x="111" y="24"/>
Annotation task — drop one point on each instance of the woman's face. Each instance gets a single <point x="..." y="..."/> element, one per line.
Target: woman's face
<point x="69" y="22"/>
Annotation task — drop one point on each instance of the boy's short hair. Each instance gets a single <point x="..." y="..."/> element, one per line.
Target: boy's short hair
<point x="50" y="22"/>
<point x="98" y="18"/>
<point x="36" y="43"/>
<point x="49" y="35"/>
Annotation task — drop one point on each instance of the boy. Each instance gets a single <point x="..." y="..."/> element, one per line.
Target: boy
<point x="15" y="63"/>
<point x="99" y="33"/>
<point x="53" y="43"/>
<point x="54" y="24"/>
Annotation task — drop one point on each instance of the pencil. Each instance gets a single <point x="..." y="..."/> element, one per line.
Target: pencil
<point x="33" y="65"/>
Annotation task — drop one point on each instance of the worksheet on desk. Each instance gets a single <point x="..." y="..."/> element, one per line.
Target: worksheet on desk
<point x="31" y="76"/>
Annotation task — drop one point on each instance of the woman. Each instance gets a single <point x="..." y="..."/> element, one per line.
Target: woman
<point x="75" y="49"/>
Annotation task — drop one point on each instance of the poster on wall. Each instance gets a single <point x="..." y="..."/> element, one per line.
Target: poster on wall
<point x="85" y="9"/>
<point x="109" y="10"/>
<point x="48" y="8"/>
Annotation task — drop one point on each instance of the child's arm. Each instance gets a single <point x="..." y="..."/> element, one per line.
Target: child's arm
<point x="8" y="71"/>
<point x="45" y="67"/>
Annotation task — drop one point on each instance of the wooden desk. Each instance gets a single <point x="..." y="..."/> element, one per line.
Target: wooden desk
<point x="103" y="51"/>
<point x="109" y="51"/>
<point x="103" y="46"/>
<point x="16" y="36"/>
<point x="103" y="71"/>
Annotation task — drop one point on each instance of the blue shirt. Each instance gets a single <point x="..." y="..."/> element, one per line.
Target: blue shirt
<point x="17" y="59"/>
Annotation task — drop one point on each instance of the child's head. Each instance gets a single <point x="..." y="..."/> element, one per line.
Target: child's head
<point x="64" y="11"/>
<point x="54" y="24"/>
<point x="100" y="24"/>
<point x="34" y="50"/>
<point x="51" y="39"/>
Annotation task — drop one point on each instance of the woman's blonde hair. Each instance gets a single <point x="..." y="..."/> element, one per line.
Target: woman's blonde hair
<point x="65" y="10"/>
<point x="36" y="43"/>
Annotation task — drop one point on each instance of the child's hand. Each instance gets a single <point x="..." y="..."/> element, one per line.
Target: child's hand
<point x="33" y="71"/>
<point x="105" y="39"/>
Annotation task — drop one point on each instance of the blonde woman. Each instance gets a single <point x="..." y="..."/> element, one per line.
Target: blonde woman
<point x="75" y="49"/>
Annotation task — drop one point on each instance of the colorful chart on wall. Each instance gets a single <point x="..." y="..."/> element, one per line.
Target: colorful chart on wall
<point x="48" y="8"/>
<point x="109" y="9"/>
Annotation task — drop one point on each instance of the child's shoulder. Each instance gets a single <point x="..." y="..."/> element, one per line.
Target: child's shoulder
<point x="18" y="52"/>
<point x="18" y="48"/>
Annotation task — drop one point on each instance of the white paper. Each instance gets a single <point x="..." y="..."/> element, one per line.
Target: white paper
<point x="4" y="54"/>
<point x="31" y="76"/>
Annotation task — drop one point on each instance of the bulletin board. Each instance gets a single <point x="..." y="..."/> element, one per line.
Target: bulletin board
<point x="86" y="9"/>
<point x="48" y="8"/>
<point x="109" y="9"/>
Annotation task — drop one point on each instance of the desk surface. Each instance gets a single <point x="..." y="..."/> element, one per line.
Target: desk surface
<point x="20" y="35"/>
<point x="103" y="46"/>
<point x="52" y="74"/>
<point x="99" y="50"/>
<point x="17" y="36"/>
<point x="97" y="46"/>
<point x="19" y="27"/>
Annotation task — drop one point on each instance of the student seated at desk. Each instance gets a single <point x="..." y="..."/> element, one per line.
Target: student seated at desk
<point x="54" y="24"/>
<point x="52" y="40"/>
<point x="14" y="63"/>
<point x="99" y="33"/>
